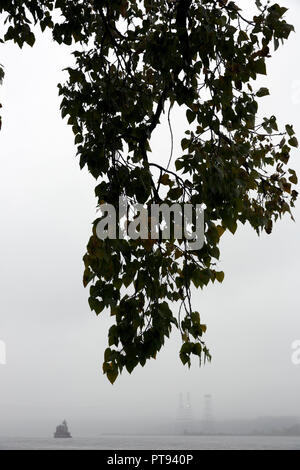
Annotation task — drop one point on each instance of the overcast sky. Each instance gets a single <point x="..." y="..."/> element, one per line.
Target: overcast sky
<point x="55" y="344"/>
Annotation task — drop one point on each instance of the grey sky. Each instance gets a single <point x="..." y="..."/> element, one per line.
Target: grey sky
<point x="55" y="344"/>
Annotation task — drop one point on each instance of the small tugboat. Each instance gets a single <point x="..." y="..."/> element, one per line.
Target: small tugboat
<point x="62" y="431"/>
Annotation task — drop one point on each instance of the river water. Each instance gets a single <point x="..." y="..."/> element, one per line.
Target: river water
<point x="154" y="443"/>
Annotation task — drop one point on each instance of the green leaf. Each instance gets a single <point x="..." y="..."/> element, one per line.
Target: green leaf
<point x="78" y="139"/>
<point x="175" y="193"/>
<point x="96" y="305"/>
<point x="262" y="92"/>
<point x="290" y="130"/>
<point x="185" y="143"/>
<point x="259" y="66"/>
<point x="196" y="278"/>
<point x="294" y="142"/>
<point x="165" y="179"/>
<point x="191" y="116"/>
<point x="293" y="178"/>
<point x="30" y="39"/>
<point x="179" y="164"/>
<point x="112" y="375"/>
<point x="107" y="355"/>
<point x="220" y="276"/>
<point x="243" y="36"/>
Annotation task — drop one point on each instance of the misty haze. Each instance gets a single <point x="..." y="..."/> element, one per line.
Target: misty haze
<point x="52" y="344"/>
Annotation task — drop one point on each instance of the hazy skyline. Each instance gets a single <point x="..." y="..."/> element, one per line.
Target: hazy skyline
<point x="55" y="344"/>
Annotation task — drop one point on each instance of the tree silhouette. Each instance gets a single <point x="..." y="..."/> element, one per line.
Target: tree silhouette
<point x="136" y="60"/>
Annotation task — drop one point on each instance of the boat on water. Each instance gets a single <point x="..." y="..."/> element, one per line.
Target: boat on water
<point x="62" y="431"/>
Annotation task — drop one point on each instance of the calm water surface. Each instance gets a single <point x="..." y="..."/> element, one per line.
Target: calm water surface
<point x="154" y="442"/>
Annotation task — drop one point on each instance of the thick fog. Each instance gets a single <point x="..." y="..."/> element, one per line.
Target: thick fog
<point x="55" y="345"/>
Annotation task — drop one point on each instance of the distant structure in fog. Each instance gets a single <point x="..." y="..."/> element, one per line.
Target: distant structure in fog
<point x="207" y="422"/>
<point x="62" y="431"/>
<point x="2" y="353"/>
<point x="185" y="414"/>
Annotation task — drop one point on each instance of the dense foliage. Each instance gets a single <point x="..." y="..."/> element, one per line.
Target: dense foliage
<point x="139" y="59"/>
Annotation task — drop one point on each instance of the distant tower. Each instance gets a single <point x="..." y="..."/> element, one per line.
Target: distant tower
<point x="188" y="404"/>
<point x="185" y="414"/>
<point x="180" y="407"/>
<point x="208" y="424"/>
